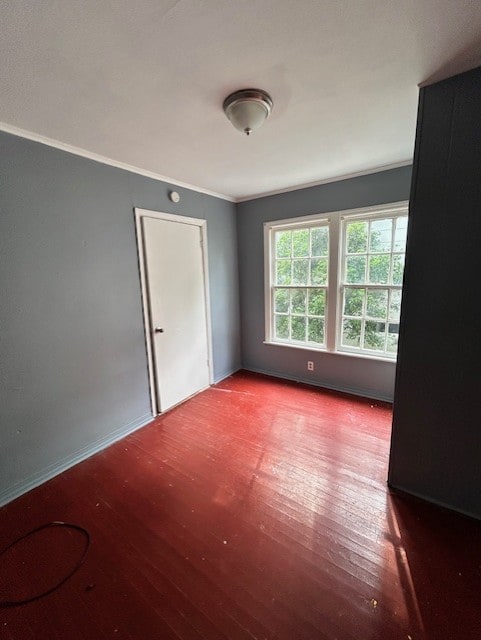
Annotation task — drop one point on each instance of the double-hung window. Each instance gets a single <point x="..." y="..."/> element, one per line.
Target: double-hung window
<point x="300" y="261"/>
<point x="334" y="281"/>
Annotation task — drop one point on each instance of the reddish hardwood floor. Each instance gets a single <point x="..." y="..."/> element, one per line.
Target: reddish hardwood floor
<point x="257" y="509"/>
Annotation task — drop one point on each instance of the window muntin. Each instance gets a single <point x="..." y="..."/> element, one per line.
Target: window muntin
<point x="300" y="272"/>
<point x="334" y="282"/>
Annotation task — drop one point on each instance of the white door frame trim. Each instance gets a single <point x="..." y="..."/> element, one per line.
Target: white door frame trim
<point x="202" y="224"/>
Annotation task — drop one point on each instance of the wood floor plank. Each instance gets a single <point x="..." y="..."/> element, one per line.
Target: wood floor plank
<point x="256" y="510"/>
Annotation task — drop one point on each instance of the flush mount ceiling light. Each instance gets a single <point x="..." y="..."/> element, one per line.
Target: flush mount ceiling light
<point x="247" y="109"/>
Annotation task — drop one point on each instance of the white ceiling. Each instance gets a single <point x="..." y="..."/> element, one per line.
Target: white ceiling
<point x="142" y="82"/>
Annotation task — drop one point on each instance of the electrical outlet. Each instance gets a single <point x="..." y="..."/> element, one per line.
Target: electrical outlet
<point x="310" y="365"/>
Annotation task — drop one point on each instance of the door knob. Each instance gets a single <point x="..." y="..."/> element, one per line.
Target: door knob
<point x="158" y="330"/>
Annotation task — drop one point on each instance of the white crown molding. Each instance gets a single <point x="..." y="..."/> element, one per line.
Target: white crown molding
<point x="50" y="142"/>
<point x="317" y="183"/>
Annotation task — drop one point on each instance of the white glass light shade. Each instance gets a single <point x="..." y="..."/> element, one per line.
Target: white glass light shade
<point x="247" y="109"/>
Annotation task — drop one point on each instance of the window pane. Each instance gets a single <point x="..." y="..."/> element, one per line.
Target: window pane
<point x="351" y="333"/>
<point x="397" y="269"/>
<point x="319" y="271"/>
<point x="317" y="302"/>
<point x="300" y="271"/>
<point x="400" y="234"/>
<point x="283" y="244"/>
<point x="374" y="334"/>
<point x="319" y="241"/>
<point x="392" y="338"/>
<point x="395" y="306"/>
<point x="380" y="235"/>
<point x="377" y="303"/>
<point x="353" y="301"/>
<point x="357" y="237"/>
<point x="379" y="269"/>
<point x="316" y="330"/>
<point x="356" y="270"/>
<point x="300" y="243"/>
<point x="298" y="328"/>
<point x="283" y="272"/>
<point x="282" y="327"/>
<point x="298" y="301"/>
<point x="281" y="300"/>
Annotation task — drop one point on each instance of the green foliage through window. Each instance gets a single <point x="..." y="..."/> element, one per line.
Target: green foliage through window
<point x="301" y="265"/>
<point x="373" y="273"/>
<point x="368" y="301"/>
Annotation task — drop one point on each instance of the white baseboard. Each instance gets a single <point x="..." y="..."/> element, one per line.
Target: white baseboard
<point x="363" y="393"/>
<point x="226" y="374"/>
<point x="71" y="460"/>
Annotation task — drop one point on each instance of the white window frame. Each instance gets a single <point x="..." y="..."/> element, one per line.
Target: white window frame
<point x="336" y="222"/>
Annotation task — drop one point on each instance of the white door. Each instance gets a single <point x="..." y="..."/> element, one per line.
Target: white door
<point x="177" y="306"/>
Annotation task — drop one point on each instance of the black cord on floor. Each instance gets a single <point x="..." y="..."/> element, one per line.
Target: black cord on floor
<point x="75" y="527"/>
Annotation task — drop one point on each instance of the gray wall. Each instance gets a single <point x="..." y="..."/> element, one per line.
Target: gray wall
<point x="436" y="439"/>
<point x="73" y="369"/>
<point x="366" y="377"/>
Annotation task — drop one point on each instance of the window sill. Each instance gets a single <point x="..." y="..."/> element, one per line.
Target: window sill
<point x="349" y="354"/>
